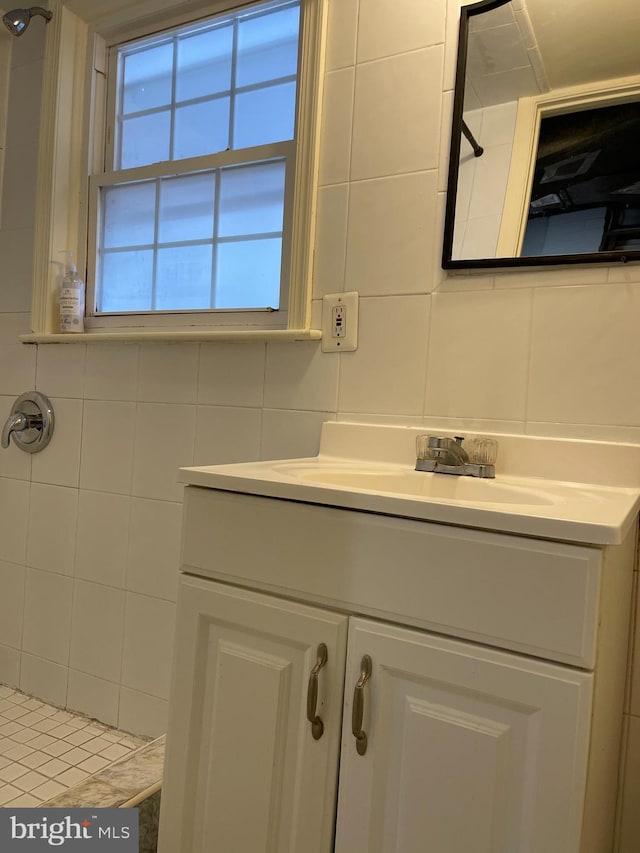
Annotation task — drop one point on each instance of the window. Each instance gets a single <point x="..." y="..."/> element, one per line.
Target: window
<point x="200" y="161"/>
<point x="191" y="215"/>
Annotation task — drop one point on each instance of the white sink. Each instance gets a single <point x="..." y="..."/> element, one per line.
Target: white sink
<point x="412" y="483"/>
<point x="541" y="486"/>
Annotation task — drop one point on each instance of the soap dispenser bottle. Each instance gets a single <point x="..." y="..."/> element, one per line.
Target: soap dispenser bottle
<point x="71" y="298"/>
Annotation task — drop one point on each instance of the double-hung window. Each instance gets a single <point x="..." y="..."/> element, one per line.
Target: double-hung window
<point x="195" y="213"/>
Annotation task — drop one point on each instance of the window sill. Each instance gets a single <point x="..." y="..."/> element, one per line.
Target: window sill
<point x="168" y="335"/>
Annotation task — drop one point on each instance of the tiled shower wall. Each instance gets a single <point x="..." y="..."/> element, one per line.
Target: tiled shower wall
<point x="89" y="528"/>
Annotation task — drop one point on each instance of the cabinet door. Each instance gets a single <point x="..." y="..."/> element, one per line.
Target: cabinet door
<point x="469" y="749"/>
<point x="243" y="771"/>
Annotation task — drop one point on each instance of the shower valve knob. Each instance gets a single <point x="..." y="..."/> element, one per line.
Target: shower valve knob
<point x="30" y="423"/>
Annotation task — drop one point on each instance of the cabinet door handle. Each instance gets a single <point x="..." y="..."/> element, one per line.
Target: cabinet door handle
<point x="317" y="726"/>
<point x="358" y="706"/>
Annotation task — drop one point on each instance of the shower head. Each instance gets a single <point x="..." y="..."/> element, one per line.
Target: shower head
<point x="17" y="20"/>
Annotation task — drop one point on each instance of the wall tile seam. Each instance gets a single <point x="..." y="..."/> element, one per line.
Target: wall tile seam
<point x="59" y="574"/>
<point x="123" y="682"/>
<point x="305" y="410"/>
<point x="26" y="654"/>
<point x="537" y="422"/>
<point x="143" y="693"/>
<point x="300" y="410"/>
<point x="121" y="494"/>
<point x="16" y="478"/>
<point x="379" y="296"/>
<point x="26" y="651"/>
<point x="350" y="153"/>
<point x="412" y="51"/>
<point x="93" y="675"/>
<point x="156" y="696"/>
<point x="71" y="665"/>
<point x="11" y="646"/>
<point x="24" y="585"/>
<point x="388" y="177"/>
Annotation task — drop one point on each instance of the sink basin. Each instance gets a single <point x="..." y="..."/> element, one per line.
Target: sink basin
<point x="419" y="484"/>
<point x="541" y="488"/>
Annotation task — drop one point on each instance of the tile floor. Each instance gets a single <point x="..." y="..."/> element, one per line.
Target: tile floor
<point x="44" y="751"/>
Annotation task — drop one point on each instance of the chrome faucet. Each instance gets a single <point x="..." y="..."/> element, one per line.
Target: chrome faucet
<point x="15" y="423"/>
<point x="444" y="455"/>
<point x="448" y="451"/>
<point x="30" y="422"/>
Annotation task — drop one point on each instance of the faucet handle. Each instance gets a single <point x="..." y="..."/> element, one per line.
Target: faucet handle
<point x="30" y="422"/>
<point x="16" y="423"/>
<point x="482" y="451"/>
<point x="423" y="448"/>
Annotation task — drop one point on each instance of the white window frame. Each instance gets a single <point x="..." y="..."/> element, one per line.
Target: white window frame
<point x="72" y="143"/>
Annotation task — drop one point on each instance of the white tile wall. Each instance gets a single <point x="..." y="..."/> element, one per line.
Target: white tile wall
<point x="140" y="712"/>
<point x="388" y="245"/>
<point x="97" y="629"/>
<point x="299" y="376"/>
<point x="387" y="372"/>
<point x="331" y="240"/>
<point x="342" y="34"/>
<point x="396" y="126"/>
<point x="14" y="500"/>
<point x="387" y="29"/>
<point x="53" y="512"/>
<point x="147" y="646"/>
<point x="153" y="553"/>
<point x="337" y="120"/>
<point x="552" y="352"/>
<point x="108" y="431"/>
<point x="59" y="463"/>
<point x="47" y="615"/>
<point x="168" y="373"/>
<point x="111" y="372"/>
<point x="61" y="371"/>
<point x="231" y="374"/>
<point x="165" y="436"/>
<point x="227" y="434"/>
<point x="12" y="577"/>
<point x="478" y="348"/>
<point x="103" y="537"/>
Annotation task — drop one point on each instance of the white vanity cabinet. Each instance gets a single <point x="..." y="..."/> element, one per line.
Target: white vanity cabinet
<point x="492" y="709"/>
<point x="244" y="771"/>
<point x="468" y="749"/>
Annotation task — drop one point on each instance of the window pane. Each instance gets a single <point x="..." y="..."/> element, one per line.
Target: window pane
<point x="147" y="79"/>
<point x="248" y="274"/>
<point x="204" y="64"/>
<point x="126" y="282"/>
<point x="186" y="208"/>
<point x="251" y="199"/>
<point x="268" y="47"/>
<point x="201" y="129"/>
<point x="145" y="140"/>
<point x="129" y="213"/>
<point x="184" y="278"/>
<point x="265" y="115"/>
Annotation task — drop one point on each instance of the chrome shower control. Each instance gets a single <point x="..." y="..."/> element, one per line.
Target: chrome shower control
<point x="30" y="423"/>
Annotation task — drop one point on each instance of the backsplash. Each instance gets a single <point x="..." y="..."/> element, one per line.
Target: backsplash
<point x="89" y="529"/>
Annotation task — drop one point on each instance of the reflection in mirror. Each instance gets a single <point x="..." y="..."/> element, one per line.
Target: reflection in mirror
<point x="546" y="133"/>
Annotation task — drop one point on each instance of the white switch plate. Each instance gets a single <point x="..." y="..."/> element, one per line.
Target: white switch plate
<point x="340" y="322"/>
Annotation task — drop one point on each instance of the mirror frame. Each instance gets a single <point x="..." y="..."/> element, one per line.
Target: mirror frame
<point x="448" y="263"/>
